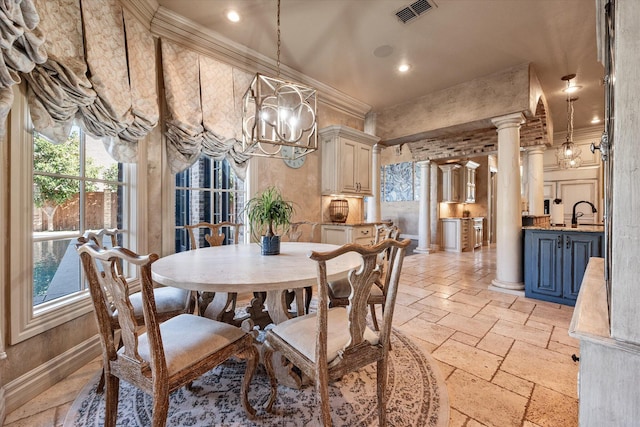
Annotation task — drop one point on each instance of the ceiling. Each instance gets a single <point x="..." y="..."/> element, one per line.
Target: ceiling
<point x="335" y="42"/>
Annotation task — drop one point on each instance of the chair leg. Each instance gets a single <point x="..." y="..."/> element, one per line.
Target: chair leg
<point x="250" y="354"/>
<point x="322" y="391"/>
<point x="160" y="405"/>
<point x="372" y="307"/>
<point x="111" y="400"/>
<point x="381" y="391"/>
<point x="100" y="386"/>
<point x="268" y="364"/>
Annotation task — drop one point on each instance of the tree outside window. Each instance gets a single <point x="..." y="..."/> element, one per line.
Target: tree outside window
<point x="76" y="186"/>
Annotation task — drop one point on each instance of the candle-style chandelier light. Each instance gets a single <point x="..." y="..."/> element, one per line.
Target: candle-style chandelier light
<point x="568" y="154"/>
<point x="278" y="116"/>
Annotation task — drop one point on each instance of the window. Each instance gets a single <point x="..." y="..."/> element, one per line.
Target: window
<point x="77" y="186"/>
<point x="209" y="191"/>
<point x="56" y="192"/>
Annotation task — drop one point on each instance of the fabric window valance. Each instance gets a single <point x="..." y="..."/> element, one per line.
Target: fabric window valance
<point x="21" y="48"/>
<point x="101" y="72"/>
<point x="204" y="108"/>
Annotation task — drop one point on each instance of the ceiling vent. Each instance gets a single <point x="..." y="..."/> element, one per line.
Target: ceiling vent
<point x="414" y="10"/>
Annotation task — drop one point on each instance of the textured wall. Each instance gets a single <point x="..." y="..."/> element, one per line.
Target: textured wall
<point x="466" y="106"/>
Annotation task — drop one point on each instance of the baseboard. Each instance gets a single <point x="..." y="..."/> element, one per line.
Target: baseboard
<point x="27" y="386"/>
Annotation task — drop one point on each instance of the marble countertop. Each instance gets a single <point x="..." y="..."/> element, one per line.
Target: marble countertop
<point x="580" y="228"/>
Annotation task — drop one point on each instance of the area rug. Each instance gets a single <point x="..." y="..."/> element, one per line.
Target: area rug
<point x="416" y="390"/>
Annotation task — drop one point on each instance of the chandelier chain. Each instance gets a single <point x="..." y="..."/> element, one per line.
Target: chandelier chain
<point x="278" y="53"/>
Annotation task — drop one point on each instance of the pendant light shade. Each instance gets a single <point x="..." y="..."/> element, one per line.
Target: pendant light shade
<point x="278" y="113"/>
<point x="568" y="154"/>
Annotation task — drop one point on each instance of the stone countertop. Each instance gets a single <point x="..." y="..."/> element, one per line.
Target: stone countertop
<point x="591" y="315"/>
<point x="580" y="228"/>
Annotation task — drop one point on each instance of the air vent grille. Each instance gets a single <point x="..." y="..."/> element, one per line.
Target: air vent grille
<point x="414" y="10"/>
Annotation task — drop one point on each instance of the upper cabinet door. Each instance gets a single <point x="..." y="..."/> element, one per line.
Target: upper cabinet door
<point x="346" y="161"/>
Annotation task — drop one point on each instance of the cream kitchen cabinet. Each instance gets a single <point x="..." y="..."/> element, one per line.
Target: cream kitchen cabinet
<point x="456" y="234"/>
<point x="346" y="161"/>
<point x="469" y="181"/>
<point x="477" y="232"/>
<point x="451" y="182"/>
<point x="362" y="234"/>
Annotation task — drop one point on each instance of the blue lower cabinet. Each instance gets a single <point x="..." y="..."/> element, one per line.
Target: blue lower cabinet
<point x="555" y="262"/>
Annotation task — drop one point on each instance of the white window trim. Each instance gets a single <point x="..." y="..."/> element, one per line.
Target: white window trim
<point x="25" y="320"/>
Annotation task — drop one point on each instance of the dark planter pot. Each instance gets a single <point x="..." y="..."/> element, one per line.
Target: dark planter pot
<point x="270" y="245"/>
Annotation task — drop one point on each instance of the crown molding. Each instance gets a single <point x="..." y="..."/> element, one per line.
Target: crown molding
<point x="174" y="27"/>
<point x="143" y="10"/>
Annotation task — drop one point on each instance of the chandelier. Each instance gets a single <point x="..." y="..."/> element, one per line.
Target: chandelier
<point x="568" y="154"/>
<point x="278" y="116"/>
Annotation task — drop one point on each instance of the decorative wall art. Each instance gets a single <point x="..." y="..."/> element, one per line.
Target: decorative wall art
<point x="398" y="182"/>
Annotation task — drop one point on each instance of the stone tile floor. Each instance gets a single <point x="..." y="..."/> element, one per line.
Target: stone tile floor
<point x="506" y="359"/>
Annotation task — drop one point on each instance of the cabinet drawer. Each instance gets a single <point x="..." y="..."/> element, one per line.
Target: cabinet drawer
<point x="359" y="232"/>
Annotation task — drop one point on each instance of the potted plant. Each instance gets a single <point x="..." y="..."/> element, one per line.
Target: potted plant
<point x="266" y="212"/>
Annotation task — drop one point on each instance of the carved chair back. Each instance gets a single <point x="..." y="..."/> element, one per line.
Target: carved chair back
<point x="146" y="360"/>
<point x="296" y="231"/>
<point x="343" y="341"/>
<point x="216" y="236"/>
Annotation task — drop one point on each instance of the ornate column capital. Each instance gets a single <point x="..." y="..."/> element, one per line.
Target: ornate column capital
<point x="423" y="163"/>
<point x="508" y="121"/>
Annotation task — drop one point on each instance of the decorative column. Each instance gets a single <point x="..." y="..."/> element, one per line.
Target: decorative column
<point x="535" y="179"/>
<point x="509" y="215"/>
<point x="424" y="224"/>
<point x="373" y="206"/>
<point x="433" y="207"/>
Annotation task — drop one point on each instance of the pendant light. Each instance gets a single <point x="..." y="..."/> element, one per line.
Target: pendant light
<point x="568" y="154"/>
<point x="277" y="113"/>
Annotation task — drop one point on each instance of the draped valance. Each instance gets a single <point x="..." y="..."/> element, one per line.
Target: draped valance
<point x="101" y="72"/>
<point x="204" y="103"/>
<point x="21" y="48"/>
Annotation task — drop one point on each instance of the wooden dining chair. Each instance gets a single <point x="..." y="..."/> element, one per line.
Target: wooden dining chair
<point x="167" y="355"/>
<point x="331" y="342"/>
<point x="339" y="289"/>
<point x="296" y="233"/>
<point x="170" y="301"/>
<point x="215" y="237"/>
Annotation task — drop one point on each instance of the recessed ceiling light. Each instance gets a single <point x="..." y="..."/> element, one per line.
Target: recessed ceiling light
<point x="595" y="120"/>
<point x="403" y="68"/>
<point x="233" y="16"/>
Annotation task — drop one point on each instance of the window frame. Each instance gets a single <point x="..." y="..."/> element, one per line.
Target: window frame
<point x="211" y="171"/>
<point x="26" y="320"/>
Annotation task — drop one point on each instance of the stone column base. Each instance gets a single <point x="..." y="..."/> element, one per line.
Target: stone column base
<point x="422" y="250"/>
<point x="502" y="286"/>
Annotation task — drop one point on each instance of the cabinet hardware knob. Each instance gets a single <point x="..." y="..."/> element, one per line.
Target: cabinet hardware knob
<point x="559" y="239"/>
<point x="568" y="242"/>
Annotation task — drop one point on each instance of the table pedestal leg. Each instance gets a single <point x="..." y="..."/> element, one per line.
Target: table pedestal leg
<point x="221" y="307"/>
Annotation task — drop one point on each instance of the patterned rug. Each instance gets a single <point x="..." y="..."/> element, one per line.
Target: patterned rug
<point x="417" y="397"/>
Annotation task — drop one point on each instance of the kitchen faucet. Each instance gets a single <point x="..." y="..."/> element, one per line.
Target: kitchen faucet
<point x="574" y="218"/>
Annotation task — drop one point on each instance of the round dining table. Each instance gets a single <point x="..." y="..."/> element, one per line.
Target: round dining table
<point x="242" y="268"/>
